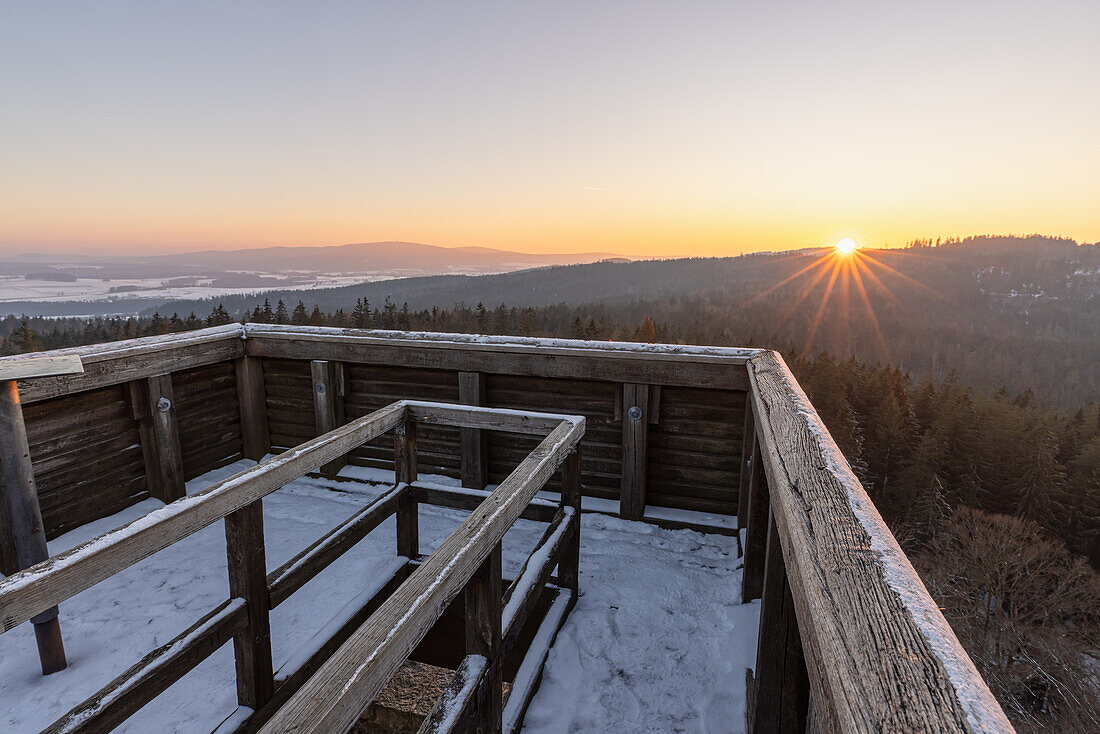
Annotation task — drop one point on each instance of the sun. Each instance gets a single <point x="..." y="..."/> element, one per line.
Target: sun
<point x="846" y="246"/>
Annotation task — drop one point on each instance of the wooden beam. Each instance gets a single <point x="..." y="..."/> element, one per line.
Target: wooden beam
<point x="483" y="637"/>
<point x="469" y="499"/>
<point x="255" y="433"/>
<point x="651" y="367"/>
<point x="748" y="448"/>
<point x="136" y="359"/>
<point x="782" y="687"/>
<point x="880" y="655"/>
<point x="166" y="438"/>
<point x="524" y="592"/>
<point x="458" y="700"/>
<point x="474" y="444"/>
<point x="137" y="394"/>
<point x="632" y="493"/>
<point x="569" y="565"/>
<point x="756" y="532"/>
<point x="19" y="504"/>
<point x="244" y="547"/>
<point x="40" y="365"/>
<point x="445" y="414"/>
<point x="325" y="399"/>
<point x="408" y="509"/>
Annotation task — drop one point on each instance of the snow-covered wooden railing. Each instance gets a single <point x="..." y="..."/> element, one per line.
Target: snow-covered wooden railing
<point x="850" y="639"/>
<point x="150" y="413"/>
<point x="469" y="559"/>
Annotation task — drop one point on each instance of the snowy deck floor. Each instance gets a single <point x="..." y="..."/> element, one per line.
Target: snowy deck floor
<point x="658" y="640"/>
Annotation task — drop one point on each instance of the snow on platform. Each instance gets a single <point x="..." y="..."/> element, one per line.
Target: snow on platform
<point x="658" y="640"/>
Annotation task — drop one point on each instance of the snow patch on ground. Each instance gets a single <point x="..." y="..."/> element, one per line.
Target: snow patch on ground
<point x="658" y="640"/>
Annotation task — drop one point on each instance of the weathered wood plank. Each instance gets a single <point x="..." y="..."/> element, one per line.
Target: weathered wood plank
<point x="251" y="397"/>
<point x="136" y="359"/>
<point x="408" y="511"/>
<point x="166" y="439"/>
<point x="748" y="451"/>
<point x="325" y="399"/>
<point x="635" y="444"/>
<point x="40" y="365"/>
<point x="56" y="579"/>
<point x="880" y="655"/>
<point x="466" y="499"/>
<point x="245" y="552"/>
<point x="492" y="419"/>
<point x="569" y="565"/>
<point x="475" y="445"/>
<point x="23" y="518"/>
<point x="483" y="637"/>
<point x="756" y="530"/>
<point x="454" y="707"/>
<point x="524" y="592"/>
<point x="343" y="687"/>
<point x="674" y="366"/>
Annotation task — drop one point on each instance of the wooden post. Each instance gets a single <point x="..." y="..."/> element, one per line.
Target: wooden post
<point x="756" y="534"/>
<point x="255" y="433"/>
<point x="19" y="503"/>
<point x="244" y="547"/>
<point x="483" y="635"/>
<point x="748" y="449"/>
<point x="474" y="443"/>
<point x="781" y="697"/>
<point x="569" y="563"/>
<point x="166" y="438"/>
<point x="137" y="393"/>
<point x="404" y="466"/>
<point x="632" y="493"/>
<point x="325" y="398"/>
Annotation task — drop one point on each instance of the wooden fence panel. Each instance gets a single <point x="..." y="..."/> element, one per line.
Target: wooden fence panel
<point x="86" y="455"/>
<point x="596" y="401"/>
<point x="370" y="387"/>
<point x="694" y="449"/>
<point x="208" y="415"/>
<point x="288" y="386"/>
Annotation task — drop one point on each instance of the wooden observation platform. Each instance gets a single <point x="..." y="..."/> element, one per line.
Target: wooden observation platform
<point x="849" y="639"/>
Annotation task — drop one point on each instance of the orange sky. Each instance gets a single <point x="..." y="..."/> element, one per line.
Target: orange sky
<point x="705" y="128"/>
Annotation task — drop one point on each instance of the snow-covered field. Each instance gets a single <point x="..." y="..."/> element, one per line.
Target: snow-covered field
<point x="658" y="640"/>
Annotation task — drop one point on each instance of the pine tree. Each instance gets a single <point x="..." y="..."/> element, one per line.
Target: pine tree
<point x="281" y="316"/>
<point x="25" y="338"/>
<point x="299" y="316"/>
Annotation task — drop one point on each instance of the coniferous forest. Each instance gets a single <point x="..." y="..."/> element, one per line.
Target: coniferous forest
<point x="990" y="483"/>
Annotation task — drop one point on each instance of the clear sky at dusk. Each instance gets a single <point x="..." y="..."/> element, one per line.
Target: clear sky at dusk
<point x="671" y="128"/>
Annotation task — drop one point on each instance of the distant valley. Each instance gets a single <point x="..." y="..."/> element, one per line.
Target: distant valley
<point x="52" y="285"/>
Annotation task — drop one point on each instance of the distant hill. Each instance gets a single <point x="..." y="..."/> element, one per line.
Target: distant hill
<point x="998" y="310"/>
<point x="364" y="257"/>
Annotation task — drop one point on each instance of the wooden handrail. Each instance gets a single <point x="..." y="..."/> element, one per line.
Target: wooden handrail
<point x="880" y="655"/>
<point x="60" y="577"/>
<point x="349" y="680"/>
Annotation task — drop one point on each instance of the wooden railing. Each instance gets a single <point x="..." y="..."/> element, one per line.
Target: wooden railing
<point x="849" y="638"/>
<point x="400" y="614"/>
